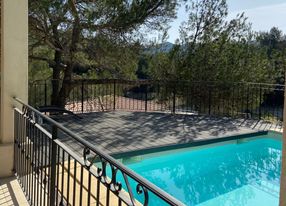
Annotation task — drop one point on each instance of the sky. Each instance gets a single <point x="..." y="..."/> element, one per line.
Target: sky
<point x="263" y="14"/>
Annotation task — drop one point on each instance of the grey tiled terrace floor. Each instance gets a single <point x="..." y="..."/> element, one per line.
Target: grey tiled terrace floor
<point x="119" y="132"/>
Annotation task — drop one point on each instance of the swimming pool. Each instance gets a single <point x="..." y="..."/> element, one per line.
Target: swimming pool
<point x="243" y="172"/>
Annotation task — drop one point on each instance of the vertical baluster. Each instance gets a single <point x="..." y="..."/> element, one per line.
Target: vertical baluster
<point x="174" y="100"/>
<point x="98" y="192"/>
<point x="37" y="165"/>
<point x="114" y="94"/>
<point x="89" y="188"/>
<point x="58" y="175"/>
<point x="210" y="101"/>
<point x="30" y="161"/>
<point x="41" y="136"/>
<point x="68" y="183"/>
<point x="53" y="165"/>
<point x="45" y="169"/>
<point x="107" y="196"/>
<point x="63" y="177"/>
<point x="81" y="185"/>
<point x="74" y="182"/>
<point x="82" y="96"/>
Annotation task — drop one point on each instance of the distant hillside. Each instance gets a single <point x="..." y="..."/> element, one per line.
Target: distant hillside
<point x="164" y="47"/>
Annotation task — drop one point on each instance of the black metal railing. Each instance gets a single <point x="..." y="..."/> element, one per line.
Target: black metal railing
<point x="247" y="100"/>
<point x="50" y="173"/>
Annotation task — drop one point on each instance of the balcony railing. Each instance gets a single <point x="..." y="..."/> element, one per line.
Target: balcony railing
<point x="246" y="100"/>
<point x="50" y="173"/>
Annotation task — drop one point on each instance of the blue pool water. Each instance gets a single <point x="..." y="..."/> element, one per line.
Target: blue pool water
<point x="239" y="173"/>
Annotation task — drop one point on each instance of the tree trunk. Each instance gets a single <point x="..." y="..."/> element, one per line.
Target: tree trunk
<point x="66" y="86"/>
<point x="282" y="201"/>
<point x="61" y="88"/>
<point x="60" y="96"/>
<point x="56" y="79"/>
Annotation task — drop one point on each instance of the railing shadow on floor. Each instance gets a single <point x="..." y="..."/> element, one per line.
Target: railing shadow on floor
<point x="50" y="173"/>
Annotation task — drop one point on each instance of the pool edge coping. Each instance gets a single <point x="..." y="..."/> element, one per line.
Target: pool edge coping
<point x="195" y="143"/>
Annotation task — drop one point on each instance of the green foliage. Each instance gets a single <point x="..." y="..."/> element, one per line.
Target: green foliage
<point x="103" y="39"/>
<point x="39" y="69"/>
<point x="274" y="42"/>
<point x="95" y="38"/>
<point x="143" y="68"/>
<point x="213" y="49"/>
<point x="112" y="58"/>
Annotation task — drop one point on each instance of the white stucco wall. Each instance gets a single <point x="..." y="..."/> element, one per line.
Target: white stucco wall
<point x="14" y="73"/>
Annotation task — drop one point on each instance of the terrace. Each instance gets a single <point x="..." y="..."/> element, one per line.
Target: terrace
<point x="60" y="159"/>
<point x="125" y="116"/>
<point x="122" y="118"/>
<point x="109" y="116"/>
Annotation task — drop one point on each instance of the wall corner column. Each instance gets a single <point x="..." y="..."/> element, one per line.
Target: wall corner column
<point x="14" y="74"/>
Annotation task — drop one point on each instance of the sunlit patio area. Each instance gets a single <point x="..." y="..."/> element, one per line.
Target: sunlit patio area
<point x="122" y="132"/>
<point x="11" y="193"/>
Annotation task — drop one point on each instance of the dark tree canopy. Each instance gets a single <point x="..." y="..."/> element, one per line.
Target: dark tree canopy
<point x="274" y="42"/>
<point x="81" y="35"/>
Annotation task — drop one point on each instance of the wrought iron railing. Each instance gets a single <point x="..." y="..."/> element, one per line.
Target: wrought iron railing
<point x="247" y="100"/>
<point x="50" y="173"/>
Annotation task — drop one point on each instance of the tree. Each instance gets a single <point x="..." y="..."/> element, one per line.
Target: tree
<point x="275" y="44"/>
<point x="212" y="48"/>
<point x="74" y="31"/>
<point x="216" y="52"/>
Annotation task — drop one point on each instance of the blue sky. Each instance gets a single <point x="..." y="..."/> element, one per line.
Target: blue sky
<point x="263" y="14"/>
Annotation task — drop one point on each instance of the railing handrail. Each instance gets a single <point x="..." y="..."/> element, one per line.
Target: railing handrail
<point x="145" y="183"/>
<point x="142" y="81"/>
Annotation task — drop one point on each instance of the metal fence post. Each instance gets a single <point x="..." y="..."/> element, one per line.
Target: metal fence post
<point x="260" y="99"/>
<point x="114" y="94"/>
<point x="174" y="100"/>
<point x="247" y="103"/>
<point x="232" y="107"/>
<point x="45" y="92"/>
<point x="146" y="98"/>
<point x="210" y="94"/>
<point x="82" y="96"/>
<point x="53" y="163"/>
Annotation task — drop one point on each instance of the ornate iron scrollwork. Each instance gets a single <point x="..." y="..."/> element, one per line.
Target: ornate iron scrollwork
<point x="117" y="186"/>
<point x="86" y="152"/>
<point x="141" y="189"/>
<point x="24" y="110"/>
<point x="31" y="115"/>
<point x="112" y="182"/>
<point x="88" y="163"/>
<point x="100" y="165"/>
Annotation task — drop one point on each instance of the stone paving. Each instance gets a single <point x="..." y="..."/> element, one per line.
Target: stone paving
<point x="11" y="193"/>
<point x="120" y="132"/>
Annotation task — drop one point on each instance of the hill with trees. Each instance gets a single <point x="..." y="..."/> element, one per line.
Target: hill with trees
<point x="109" y="39"/>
